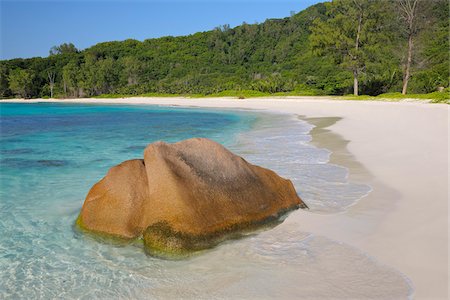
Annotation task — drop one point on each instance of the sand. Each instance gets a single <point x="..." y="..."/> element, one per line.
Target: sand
<point x="401" y="150"/>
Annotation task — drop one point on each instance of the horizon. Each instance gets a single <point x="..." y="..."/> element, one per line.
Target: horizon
<point x="44" y="24"/>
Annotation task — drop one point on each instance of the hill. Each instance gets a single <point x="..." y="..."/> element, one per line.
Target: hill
<point x="279" y="55"/>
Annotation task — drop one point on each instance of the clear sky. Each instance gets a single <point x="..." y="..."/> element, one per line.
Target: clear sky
<point x="30" y="28"/>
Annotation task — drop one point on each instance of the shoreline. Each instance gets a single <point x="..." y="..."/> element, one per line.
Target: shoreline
<point x="414" y="98"/>
<point x="399" y="148"/>
<point x="144" y="100"/>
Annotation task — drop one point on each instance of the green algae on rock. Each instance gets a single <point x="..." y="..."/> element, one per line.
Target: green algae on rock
<point x="185" y="197"/>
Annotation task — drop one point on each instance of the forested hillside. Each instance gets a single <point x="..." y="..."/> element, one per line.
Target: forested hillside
<point x="331" y="48"/>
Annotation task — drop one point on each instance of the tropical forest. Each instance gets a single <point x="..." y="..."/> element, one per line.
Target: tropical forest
<point x="357" y="47"/>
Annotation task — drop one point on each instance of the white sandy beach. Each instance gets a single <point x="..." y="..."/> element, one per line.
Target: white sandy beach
<point x="401" y="150"/>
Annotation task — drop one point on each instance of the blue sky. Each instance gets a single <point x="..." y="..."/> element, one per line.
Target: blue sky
<point x="30" y="28"/>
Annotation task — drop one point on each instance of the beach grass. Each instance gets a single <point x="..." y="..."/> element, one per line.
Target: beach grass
<point x="434" y="97"/>
<point x="113" y="96"/>
<point x="238" y="93"/>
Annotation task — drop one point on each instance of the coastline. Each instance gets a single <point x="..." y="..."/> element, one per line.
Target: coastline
<point x="399" y="148"/>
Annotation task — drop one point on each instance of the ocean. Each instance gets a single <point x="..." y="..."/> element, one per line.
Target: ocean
<point x="51" y="154"/>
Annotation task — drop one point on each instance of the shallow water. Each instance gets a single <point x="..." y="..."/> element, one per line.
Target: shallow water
<point x="281" y="143"/>
<point x="51" y="154"/>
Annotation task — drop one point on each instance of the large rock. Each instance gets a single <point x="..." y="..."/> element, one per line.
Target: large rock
<point x="185" y="196"/>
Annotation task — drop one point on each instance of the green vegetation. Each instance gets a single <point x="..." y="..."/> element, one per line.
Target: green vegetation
<point x="105" y="96"/>
<point x="334" y="48"/>
<point x="434" y="97"/>
<point x="351" y="44"/>
<point x="240" y="94"/>
<point x="21" y="82"/>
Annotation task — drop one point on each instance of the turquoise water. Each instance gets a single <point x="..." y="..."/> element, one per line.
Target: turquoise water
<point x="51" y="154"/>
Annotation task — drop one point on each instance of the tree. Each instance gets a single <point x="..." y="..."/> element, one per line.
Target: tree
<point x="106" y="76"/>
<point x="70" y="79"/>
<point x="356" y="44"/>
<point x="346" y="34"/>
<point x="431" y="52"/>
<point x="132" y="69"/>
<point x="98" y="76"/>
<point x="51" y="81"/>
<point x="4" y="84"/>
<point x="21" y="82"/>
<point x="408" y="12"/>
<point x="65" y="48"/>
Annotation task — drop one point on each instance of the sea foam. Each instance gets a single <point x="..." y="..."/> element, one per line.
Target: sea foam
<point x="282" y="143"/>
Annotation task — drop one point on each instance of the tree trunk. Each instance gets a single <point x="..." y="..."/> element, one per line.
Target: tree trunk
<point x="408" y="10"/>
<point x="355" y="71"/>
<point x="408" y="65"/>
<point x="51" y="80"/>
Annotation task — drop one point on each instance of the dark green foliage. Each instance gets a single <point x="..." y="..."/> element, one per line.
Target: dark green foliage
<point x="21" y="82"/>
<point x="63" y="49"/>
<point x="434" y="97"/>
<point x="277" y="56"/>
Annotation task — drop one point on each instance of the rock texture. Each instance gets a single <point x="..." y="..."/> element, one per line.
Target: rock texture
<point x="185" y="196"/>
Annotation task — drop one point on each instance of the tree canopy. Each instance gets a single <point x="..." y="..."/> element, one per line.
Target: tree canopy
<point x="320" y="50"/>
<point x="353" y="34"/>
<point x="63" y="49"/>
